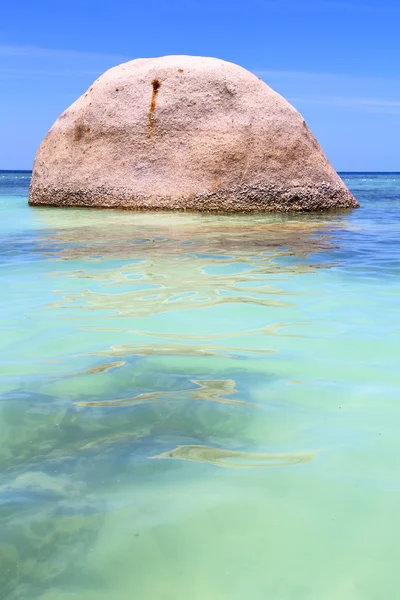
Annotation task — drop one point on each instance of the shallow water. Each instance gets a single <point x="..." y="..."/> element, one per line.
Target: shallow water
<point x="200" y="407"/>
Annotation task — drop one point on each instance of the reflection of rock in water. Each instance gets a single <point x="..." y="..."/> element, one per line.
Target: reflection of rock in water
<point x="126" y="235"/>
<point x="98" y="369"/>
<point x="199" y="346"/>
<point x="115" y="439"/>
<point x="206" y="391"/>
<point x="182" y="261"/>
<point x="235" y="459"/>
<point x="141" y="304"/>
<point x="173" y="349"/>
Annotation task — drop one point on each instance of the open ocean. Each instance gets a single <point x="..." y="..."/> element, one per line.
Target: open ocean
<point x="200" y="407"/>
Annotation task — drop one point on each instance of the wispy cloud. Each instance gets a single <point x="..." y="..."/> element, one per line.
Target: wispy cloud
<point x="343" y="5"/>
<point x="366" y="93"/>
<point x="35" y="62"/>
<point x="381" y="7"/>
<point x="40" y="73"/>
<point x="36" y="52"/>
<point x="373" y="105"/>
<point x="320" y="77"/>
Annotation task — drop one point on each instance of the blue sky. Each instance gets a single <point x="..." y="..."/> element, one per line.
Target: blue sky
<point x="338" y="62"/>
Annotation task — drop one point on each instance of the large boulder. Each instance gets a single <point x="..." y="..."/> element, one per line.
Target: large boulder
<point x="184" y="133"/>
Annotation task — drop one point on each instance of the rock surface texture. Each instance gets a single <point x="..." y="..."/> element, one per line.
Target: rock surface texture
<point x="184" y="133"/>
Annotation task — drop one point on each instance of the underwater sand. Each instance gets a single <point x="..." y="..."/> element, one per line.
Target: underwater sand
<point x="200" y="407"/>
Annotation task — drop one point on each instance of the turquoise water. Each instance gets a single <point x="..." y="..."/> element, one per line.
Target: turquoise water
<point x="200" y="407"/>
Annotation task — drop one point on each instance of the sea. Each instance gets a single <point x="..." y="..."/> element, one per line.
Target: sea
<point x="200" y="407"/>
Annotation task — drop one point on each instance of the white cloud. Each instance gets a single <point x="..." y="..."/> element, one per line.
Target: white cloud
<point x="318" y="77"/>
<point x="35" y="63"/>
<point x="352" y="92"/>
<point x="375" y="105"/>
<point x="39" y="73"/>
<point x="381" y="7"/>
<point x="36" y="52"/>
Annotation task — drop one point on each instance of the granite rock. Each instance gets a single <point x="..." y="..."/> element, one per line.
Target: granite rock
<point x="184" y="133"/>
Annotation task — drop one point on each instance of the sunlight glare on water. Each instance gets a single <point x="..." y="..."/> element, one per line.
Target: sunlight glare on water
<point x="200" y="406"/>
